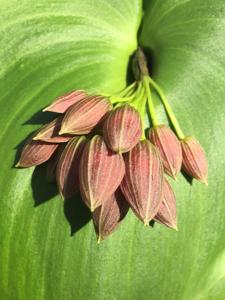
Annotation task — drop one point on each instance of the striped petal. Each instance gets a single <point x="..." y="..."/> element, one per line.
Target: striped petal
<point x="122" y="129"/>
<point x="67" y="173"/>
<point x="50" y="133"/>
<point x="194" y="161"/>
<point x="61" y="104"/>
<point x="35" y="153"/>
<point x="143" y="180"/>
<point x="83" y="116"/>
<point x="52" y="163"/>
<point x="108" y="216"/>
<point x="101" y="172"/>
<point x="169" y="148"/>
<point x="167" y="210"/>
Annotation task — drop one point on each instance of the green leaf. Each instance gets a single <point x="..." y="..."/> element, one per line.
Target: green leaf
<point x="51" y="47"/>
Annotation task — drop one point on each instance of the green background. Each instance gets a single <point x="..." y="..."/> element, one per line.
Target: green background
<point x="51" y="47"/>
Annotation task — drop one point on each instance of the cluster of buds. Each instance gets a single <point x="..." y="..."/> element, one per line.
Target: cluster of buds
<point x="97" y="146"/>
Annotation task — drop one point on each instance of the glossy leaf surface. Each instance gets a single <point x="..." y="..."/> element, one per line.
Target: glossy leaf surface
<point x="49" y="48"/>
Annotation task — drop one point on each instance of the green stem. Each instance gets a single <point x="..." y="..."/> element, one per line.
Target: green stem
<point x="127" y="90"/>
<point x="137" y="95"/>
<point x="137" y="92"/>
<point x="130" y="92"/>
<point x="139" y="104"/>
<point x="115" y="99"/>
<point x="142" y="112"/>
<point x="168" y="108"/>
<point x="150" y="101"/>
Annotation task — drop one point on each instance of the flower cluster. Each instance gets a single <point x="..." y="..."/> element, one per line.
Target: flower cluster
<point x="98" y="146"/>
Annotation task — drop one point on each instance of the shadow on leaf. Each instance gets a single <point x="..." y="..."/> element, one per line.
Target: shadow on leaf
<point x="188" y="178"/>
<point x="76" y="213"/>
<point x="152" y="223"/>
<point x="42" y="189"/>
<point x="41" y="118"/>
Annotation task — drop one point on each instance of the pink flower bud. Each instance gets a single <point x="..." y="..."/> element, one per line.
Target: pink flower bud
<point x="169" y="148"/>
<point x="194" y="160"/>
<point x="143" y="180"/>
<point x="100" y="173"/>
<point x="61" y="104"/>
<point x="83" y="116"/>
<point x="67" y="172"/>
<point x="166" y="214"/>
<point x="122" y="129"/>
<point x="52" y="163"/>
<point x="35" y="153"/>
<point x="108" y="216"/>
<point x="50" y="133"/>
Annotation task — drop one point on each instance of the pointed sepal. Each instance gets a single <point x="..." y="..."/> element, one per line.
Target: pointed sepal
<point x="83" y="116"/>
<point x="194" y="161"/>
<point x="52" y="164"/>
<point x="35" y="153"/>
<point x="100" y="173"/>
<point x="61" y="104"/>
<point x="167" y="214"/>
<point x="143" y="181"/>
<point x="50" y="133"/>
<point x="169" y="148"/>
<point x="108" y="216"/>
<point x="67" y="172"/>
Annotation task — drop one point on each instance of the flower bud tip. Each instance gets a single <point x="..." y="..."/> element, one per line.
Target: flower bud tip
<point x="205" y="182"/>
<point x="63" y="198"/>
<point x="146" y="223"/>
<point x="61" y="132"/>
<point x="175" y="228"/>
<point x="175" y="178"/>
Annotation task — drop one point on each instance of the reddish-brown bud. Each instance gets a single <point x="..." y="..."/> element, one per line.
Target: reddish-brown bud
<point x="122" y="129"/>
<point x="169" y="148"/>
<point x="35" y="153"/>
<point x="166" y="214"/>
<point x="143" y="180"/>
<point x="194" y="160"/>
<point x="83" y="116"/>
<point x="52" y="163"/>
<point x="100" y="173"/>
<point x="67" y="172"/>
<point x="50" y="133"/>
<point x="108" y="216"/>
<point x="61" y="104"/>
